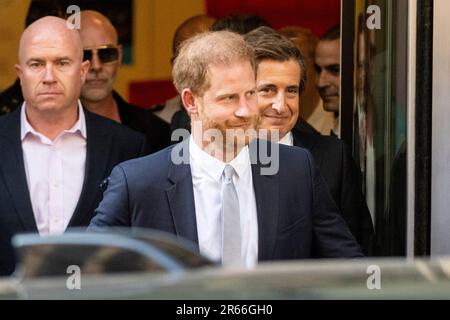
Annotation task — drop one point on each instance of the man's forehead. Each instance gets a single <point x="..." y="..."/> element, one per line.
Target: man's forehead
<point x="62" y="37"/>
<point x="48" y="45"/>
<point x="97" y="36"/>
<point x="328" y="49"/>
<point x="48" y="52"/>
<point x="96" y="26"/>
<point x="235" y="87"/>
<point x="278" y="69"/>
<point x="50" y="27"/>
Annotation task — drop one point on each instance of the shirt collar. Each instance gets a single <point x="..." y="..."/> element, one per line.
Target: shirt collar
<point x="214" y="167"/>
<point x="79" y="126"/>
<point x="287" y="140"/>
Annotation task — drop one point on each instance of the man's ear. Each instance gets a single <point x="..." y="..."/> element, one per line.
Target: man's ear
<point x="19" y="71"/>
<point x="84" y="70"/>
<point x="189" y="101"/>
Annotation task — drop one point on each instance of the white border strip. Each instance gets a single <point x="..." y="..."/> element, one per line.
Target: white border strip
<point x="411" y="121"/>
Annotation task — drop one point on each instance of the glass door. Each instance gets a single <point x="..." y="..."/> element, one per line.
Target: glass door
<point x="377" y="33"/>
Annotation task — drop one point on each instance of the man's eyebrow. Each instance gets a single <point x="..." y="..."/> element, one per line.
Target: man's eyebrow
<point x="226" y="95"/>
<point x="34" y="60"/>
<point x="266" y="85"/>
<point x="63" y="58"/>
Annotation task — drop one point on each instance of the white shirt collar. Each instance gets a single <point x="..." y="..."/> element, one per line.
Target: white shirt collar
<point x="287" y="140"/>
<point x="214" y="167"/>
<point x="79" y="126"/>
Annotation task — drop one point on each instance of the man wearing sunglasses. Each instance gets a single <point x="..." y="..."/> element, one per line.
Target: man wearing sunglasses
<point x="101" y="48"/>
<point x="55" y="156"/>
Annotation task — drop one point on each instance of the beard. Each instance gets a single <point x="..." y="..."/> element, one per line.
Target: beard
<point x="224" y="140"/>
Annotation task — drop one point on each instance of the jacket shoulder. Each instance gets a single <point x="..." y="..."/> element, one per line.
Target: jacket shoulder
<point x="10" y="123"/>
<point x="158" y="162"/>
<point x="294" y="159"/>
<point x="95" y="121"/>
<point x="309" y="141"/>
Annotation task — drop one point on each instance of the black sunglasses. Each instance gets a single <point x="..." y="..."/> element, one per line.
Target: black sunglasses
<point x="106" y="54"/>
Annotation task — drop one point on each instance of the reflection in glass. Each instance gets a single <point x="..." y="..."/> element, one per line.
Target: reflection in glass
<point x="380" y="119"/>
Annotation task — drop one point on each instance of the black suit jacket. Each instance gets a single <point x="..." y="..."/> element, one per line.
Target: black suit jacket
<point x="6" y="252"/>
<point x="11" y="98"/>
<point x="297" y="217"/>
<point x="144" y="121"/>
<point x="344" y="181"/>
<point x="108" y="143"/>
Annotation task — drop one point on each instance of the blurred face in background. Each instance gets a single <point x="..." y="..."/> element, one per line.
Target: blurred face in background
<point x="100" y="43"/>
<point x="328" y="76"/>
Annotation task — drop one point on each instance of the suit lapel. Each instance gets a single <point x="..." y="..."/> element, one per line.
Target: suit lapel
<point x="266" y="189"/>
<point x="181" y="198"/>
<point x="13" y="168"/>
<point x="98" y="148"/>
<point x="182" y="205"/>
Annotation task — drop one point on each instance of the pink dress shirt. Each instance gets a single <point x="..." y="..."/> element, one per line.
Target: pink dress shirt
<point x="55" y="172"/>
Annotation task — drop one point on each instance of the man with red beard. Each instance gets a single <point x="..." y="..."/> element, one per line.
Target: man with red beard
<point x="212" y="188"/>
<point x="102" y="49"/>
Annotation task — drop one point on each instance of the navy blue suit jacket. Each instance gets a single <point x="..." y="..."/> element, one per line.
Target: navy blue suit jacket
<point x="297" y="217"/>
<point x="108" y="143"/>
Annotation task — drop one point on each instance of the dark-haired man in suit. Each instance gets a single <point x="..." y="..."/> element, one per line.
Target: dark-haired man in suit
<point x="280" y="82"/>
<point x="327" y="64"/>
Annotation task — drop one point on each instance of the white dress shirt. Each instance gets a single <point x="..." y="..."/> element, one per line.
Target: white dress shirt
<point x="207" y="182"/>
<point x="287" y="140"/>
<point x="55" y="172"/>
